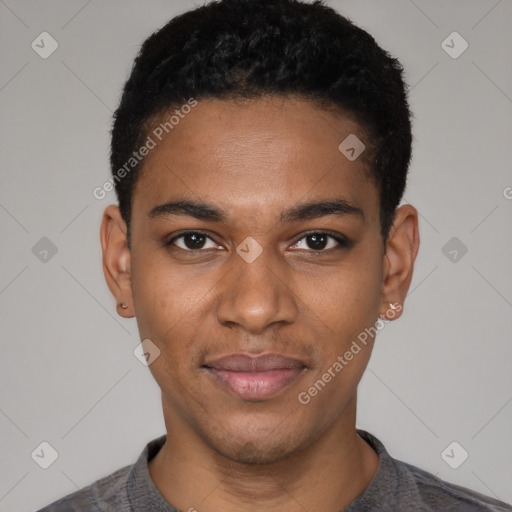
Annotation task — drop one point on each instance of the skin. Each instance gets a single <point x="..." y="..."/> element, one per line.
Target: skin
<point x="256" y="160"/>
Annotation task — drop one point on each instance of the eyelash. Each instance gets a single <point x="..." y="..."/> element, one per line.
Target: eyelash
<point x="343" y="243"/>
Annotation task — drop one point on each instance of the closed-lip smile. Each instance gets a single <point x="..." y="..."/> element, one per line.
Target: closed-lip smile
<point x="255" y="378"/>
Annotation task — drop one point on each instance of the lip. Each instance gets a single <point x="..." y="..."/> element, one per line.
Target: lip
<point x="255" y="377"/>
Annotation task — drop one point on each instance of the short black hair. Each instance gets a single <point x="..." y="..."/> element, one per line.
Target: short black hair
<point x="231" y="49"/>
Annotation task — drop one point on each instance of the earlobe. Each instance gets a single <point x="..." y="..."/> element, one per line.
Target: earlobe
<point x="116" y="259"/>
<point x="401" y="250"/>
<point x="393" y="312"/>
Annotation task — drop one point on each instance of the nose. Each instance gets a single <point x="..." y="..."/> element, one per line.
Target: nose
<point x="256" y="295"/>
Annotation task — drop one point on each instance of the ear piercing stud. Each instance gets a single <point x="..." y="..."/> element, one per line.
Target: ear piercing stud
<point x="123" y="305"/>
<point x="393" y="308"/>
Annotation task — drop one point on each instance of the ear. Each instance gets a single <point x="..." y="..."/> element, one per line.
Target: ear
<point x="401" y="250"/>
<point x="116" y="259"/>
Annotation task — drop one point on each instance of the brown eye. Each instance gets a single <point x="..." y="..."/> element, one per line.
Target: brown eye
<point x="321" y="242"/>
<point x="317" y="241"/>
<point x="192" y="241"/>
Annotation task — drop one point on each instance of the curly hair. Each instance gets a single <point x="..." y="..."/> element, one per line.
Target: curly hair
<point x="229" y="49"/>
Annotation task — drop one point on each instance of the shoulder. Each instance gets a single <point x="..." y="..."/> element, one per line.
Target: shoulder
<point x="446" y="496"/>
<point x="399" y="485"/>
<point x="108" y="494"/>
<point x="127" y="489"/>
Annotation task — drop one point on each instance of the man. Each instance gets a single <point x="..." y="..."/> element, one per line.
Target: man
<point x="259" y="154"/>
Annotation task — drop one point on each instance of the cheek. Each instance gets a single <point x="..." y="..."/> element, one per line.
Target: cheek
<point x="171" y="308"/>
<point x="167" y="309"/>
<point x="347" y="301"/>
<point x="166" y="299"/>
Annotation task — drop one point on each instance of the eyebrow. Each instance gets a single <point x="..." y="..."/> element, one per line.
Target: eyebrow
<point x="301" y="212"/>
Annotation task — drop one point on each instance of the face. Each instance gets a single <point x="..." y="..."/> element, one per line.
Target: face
<point x="254" y="235"/>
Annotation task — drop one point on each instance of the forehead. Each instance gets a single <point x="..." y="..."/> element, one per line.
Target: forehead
<point x="255" y="154"/>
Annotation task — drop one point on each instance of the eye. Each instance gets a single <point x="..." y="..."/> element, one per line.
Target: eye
<point x="192" y="241"/>
<point x="317" y="241"/>
<point x="321" y="241"/>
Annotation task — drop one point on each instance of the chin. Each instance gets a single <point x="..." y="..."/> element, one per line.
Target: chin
<point x="250" y="452"/>
<point x="266" y="447"/>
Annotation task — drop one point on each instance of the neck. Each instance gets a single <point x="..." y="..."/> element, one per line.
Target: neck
<point x="327" y="475"/>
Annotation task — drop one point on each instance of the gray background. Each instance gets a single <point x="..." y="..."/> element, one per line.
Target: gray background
<point x="68" y="374"/>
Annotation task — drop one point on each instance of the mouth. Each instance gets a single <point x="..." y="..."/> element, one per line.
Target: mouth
<point x="255" y="378"/>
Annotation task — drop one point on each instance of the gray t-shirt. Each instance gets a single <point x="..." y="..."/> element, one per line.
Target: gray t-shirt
<point x="397" y="486"/>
